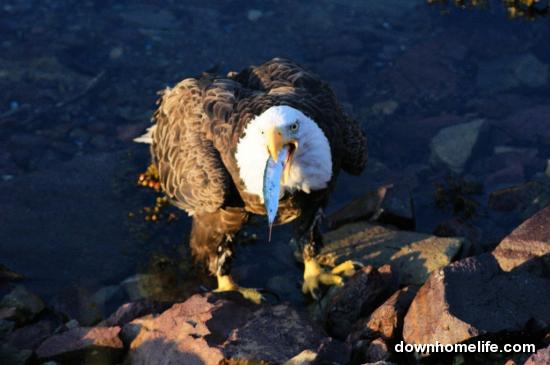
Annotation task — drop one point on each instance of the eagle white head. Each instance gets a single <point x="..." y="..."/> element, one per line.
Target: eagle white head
<point x="309" y="163"/>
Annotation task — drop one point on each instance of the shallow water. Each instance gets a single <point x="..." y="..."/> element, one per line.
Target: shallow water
<point x="79" y="82"/>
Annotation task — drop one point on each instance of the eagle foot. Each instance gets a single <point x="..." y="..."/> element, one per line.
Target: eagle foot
<point x="226" y="283"/>
<point x="314" y="275"/>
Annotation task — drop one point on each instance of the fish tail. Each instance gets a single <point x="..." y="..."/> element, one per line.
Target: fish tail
<point x="269" y="235"/>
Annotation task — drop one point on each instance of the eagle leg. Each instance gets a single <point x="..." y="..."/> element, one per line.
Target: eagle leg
<point x="314" y="274"/>
<point x="225" y="280"/>
<point x="211" y="243"/>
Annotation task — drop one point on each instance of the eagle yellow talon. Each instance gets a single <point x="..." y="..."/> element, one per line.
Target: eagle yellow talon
<point x="346" y="268"/>
<point x="314" y="275"/>
<point x="226" y="283"/>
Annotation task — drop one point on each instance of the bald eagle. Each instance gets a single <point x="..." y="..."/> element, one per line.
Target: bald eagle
<point x="211" y="139"/>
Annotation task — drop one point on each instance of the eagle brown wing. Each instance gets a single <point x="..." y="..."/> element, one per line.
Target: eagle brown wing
<point x="190" y="169"/>
<point x="295" y="86"/>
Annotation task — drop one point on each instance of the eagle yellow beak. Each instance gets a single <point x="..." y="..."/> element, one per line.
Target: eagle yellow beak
<point x="275" y="142"/>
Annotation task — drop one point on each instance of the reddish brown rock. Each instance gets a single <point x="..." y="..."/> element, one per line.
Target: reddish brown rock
<point x="474" y="297"/>
<point x="528" y="246"/>
<point x="207" y="329"/>
<point x="361" y="295"/>
<point x="387" y="320"/>
<point x="83" y="345"/>
<point x="541" y="357"/>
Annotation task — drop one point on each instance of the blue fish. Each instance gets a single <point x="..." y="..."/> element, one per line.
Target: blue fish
<point x="272" y="186"/>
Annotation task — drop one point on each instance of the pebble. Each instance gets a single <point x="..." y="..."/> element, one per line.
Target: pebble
<point x="254" y="14"/>
<point x="116" y="52"/>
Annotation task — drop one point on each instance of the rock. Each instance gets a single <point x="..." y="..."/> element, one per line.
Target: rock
<point x="254" y="15"/>
<point x="528" y="246"/>
<point x="8" y="313"/>
<point x="130" y="311"/>
<point x="363" y="293"/>
<point x="362" y="208"/>
<point x="206" y="329"/>
<point x="508" y="72"/>
<point x="30" y="336"/>
<point x="387" y="107"/>
<point x="541" y="357"/>
<point x="6" y="327"/>
<point x="143" y="286"/>
<point x="529" y="125"/>
<point x="387" y="204"/>
<point x="333" y="352"/>
<point x="7" y="275"/>
<point x="411" y="255"/>
<point x="413" y="138"/>
<point x="422" y="72"/>
<point x="377" y="351"/>
<point x="453" y="146"/>
<point x="83" y="345"/>
<point x="547" y="171"/>
<point x="474" y="297"/>
<point x="459" y="227"/>
<point x="387" y="320"/>
<point x="525" y="198"/>
<point x="10" y="355"/>
<point x="28" y="305"/>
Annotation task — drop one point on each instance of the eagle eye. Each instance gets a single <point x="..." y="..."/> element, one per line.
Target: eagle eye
<point x="294" y="126"/>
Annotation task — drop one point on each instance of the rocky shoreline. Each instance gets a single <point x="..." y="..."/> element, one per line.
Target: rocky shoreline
<point x="413" y="287"/>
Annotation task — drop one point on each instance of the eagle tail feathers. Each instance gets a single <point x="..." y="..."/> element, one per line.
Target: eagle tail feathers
<point x="147" y="137"/>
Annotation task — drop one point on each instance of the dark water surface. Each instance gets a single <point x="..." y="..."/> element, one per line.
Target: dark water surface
<point x="78" y="81"/>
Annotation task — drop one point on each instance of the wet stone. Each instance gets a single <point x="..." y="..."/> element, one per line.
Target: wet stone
<point x="27" y="304"/>
<point x="453" y="146"/>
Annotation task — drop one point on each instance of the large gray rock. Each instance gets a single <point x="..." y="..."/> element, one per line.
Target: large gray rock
<point x="453" y="146"/>
<point x="411" y="255"/>
<point x="207" y="329"/>
<point x="474" y="297"/>
<point x="528" y="246"/>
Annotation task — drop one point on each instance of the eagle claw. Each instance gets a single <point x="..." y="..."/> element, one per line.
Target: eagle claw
<point x="226" y="283"/>
<point x="314" y="275"/>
